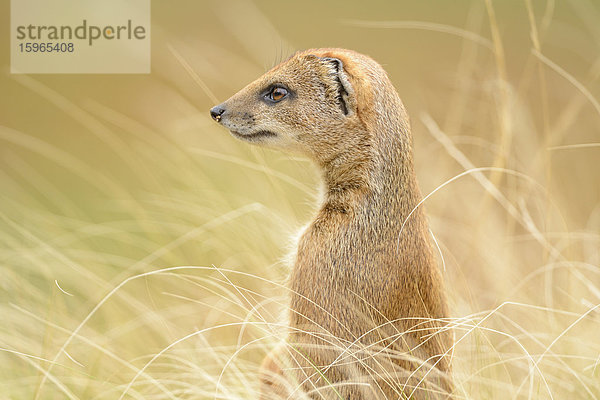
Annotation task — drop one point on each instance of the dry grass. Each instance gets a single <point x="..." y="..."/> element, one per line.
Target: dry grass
<point x="143" y="249"/>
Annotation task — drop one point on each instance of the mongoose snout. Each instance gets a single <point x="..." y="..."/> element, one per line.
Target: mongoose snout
<point x="368" y="315"/>
<point x="216" y="112"/>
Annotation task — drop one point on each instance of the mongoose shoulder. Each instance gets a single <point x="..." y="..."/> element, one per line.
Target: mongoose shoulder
<point x="367" y="310"/>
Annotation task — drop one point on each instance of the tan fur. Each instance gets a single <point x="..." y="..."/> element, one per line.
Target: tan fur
<point x="368" y="300"/>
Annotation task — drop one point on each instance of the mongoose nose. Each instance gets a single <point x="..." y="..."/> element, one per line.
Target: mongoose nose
<point x="216" y="112"/>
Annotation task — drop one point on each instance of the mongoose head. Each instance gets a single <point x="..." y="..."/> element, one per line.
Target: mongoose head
<point x="321" y="102"/>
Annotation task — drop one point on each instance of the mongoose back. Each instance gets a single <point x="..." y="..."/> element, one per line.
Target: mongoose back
<point x="367" y="309"/>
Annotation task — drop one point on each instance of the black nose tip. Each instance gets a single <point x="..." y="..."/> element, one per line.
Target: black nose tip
<point x="216" y="112"/>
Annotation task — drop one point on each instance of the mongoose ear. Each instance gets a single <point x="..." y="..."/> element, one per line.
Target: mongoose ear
<point x="345" y="94"/>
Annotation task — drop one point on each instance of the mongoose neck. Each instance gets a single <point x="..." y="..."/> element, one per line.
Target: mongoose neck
<point x="380" y="174"/>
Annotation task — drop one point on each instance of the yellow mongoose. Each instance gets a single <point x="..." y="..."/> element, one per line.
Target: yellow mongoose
<point x="367" y="306"/>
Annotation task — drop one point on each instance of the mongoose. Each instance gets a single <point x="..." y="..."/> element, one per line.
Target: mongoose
<point x="368" y="315"/>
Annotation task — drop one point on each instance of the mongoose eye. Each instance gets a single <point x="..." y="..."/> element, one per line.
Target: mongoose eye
<point x="277" y="94"/>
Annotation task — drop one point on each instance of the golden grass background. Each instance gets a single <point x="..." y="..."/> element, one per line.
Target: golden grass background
<point x="142" y="248"/>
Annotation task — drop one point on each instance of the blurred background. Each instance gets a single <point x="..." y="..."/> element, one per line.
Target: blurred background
<point x="143" y="249"/>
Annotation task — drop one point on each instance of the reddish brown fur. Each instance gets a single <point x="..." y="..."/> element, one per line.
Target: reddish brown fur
<point x="360" y="281"/>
